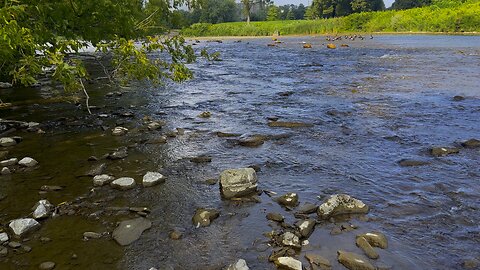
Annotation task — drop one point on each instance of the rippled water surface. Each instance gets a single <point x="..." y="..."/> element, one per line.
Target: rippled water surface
<point x="372" y="104"/>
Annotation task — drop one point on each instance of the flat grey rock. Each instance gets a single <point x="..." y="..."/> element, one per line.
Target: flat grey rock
<point x="129" y="231"/>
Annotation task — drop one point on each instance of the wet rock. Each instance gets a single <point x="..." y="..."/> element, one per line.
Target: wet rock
<point x="281" y="252"/>
<point x="318" y="262"/>
<point x="7" y="141"/>
<point x="291" y="240"/>
<point x="201" y="159"/>
<point x="288" y="263"/>
<point x="14" y="244"/>
<point x="46" y="266"/>
<point x="96" y="170"/>
<point x="288" y="200"/>
<point x="120" y="153"/>
<point x="305" y="227"/>
<point x="4" y="85"/>
<point x="3" y="237"/>
<point x="153" y="178"/>
<point x="249" y="140"/>
<point x="3" y="251"/>
<point x="339" y="204"/>
<point x="211" y="181"/>
<point x="203" y="217"/>
<point x="23" y="225"/>
<point x="472" y="143"/>
<point x="376" y="239"/>
<point x="443" y="151"/>
<point x="119" y="131"/>
<point x="307" y="208"/>
<point x="8" y="162"/>
<point x="412" y="162"/>
<point x="92" y="235"/>
<point x="42" y="209"/>
<point x="238" y="182"/>
<point x="50" y="188"/>
<point x="158" y="140"/>
<point x="226" y="135"/>
<point x="354" y="261"/>
<point x="307" y="46"/>
<point x="382" y="266"/>
<point x="175" y="234"/>
<point x="102" y="179"/>
<point x="27" y="162"/>
<point x="289" y="124"/>
<point x="363" y="244"/>
<point x="458" y="98"/>
<point x="5" y="171"/>
<point x="470" y="264"/>
<point x="154" y="125"/>
<point x="123" y="183"/>
<point x="241" y="264"/>
<point x="129" y="231"/>
<point x="205" y="114"/>
<point x="331" y="46"/>
<point x="275" y="217"/>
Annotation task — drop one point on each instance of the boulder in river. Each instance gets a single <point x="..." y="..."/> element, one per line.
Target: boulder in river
<point x="203" y="217"/>
<point x="354" y="261"/>
<point x="364" y="245"/>
<point x="123" y="183"/>
<point x="288" y="263"/>
<point x="376" y="239"/>
<point x="23" y="225"/>
<point x="152" y="178"/>
<point x="129" y="231"/>
<point x="318" y="262"/>
<point x="119" y="131"/>
<point x="28" y="162"/>
<point x="7" y="141"/>
<point x="339" y="204"/>
<point x="443" y="151"/>
<point x="305" y="227"/>
<point x="238" y="182"/>
<point x="8" y="162"/>
<point x="42" y="209"/>
<point x="472" y="143"/>
<point x="288" y="200"/>
<point x="241" y="264"/>
<point x="102" y="179"/>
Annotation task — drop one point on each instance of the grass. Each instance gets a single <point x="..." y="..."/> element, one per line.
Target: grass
<point x="464" y="17"/>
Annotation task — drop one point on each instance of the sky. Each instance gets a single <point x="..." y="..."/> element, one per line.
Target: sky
<point x="388" y="3"/>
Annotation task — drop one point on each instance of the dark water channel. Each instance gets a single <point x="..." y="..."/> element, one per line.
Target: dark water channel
<point x="372" y="104"/>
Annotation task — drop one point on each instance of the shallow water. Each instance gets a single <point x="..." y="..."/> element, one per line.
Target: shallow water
<point x="371" y="104"/>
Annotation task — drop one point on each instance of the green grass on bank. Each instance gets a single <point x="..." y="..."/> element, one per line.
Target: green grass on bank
<point x="460" y="18"/>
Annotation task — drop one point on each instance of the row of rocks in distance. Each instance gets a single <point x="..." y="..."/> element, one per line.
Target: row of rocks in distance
<point x="125" y="183"/>
<point x="444" y="151"/>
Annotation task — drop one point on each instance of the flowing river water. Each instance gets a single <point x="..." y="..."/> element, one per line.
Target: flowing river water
<point x="372" y="104"/>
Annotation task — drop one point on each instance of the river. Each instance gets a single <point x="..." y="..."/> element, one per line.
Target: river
<point x="371" y="104"/>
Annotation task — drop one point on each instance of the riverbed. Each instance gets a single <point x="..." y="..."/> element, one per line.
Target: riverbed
<point x="370" y="105"/>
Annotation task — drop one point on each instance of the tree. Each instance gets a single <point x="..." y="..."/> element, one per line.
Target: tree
<point x="39" y="35"/>
<point x="406" y="4"/>
<point x="214" y="11"/>
<point x="290" y="14"/>
<point x="247" y="7"/>
<point x="299" y="12"/>
<point x="273" y="13"/>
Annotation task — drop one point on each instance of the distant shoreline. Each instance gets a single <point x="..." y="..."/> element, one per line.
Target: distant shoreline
<point x="340" y="34"/>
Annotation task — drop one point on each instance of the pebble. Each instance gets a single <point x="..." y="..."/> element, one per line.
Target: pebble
<point x="92" y="235"/>
<point x="46" y="266"/>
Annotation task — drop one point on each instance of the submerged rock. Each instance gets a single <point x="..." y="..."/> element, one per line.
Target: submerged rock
<point x="472" y="143"/>
<point x="250" y="140"/>
<point x="152" y="178"/>
<point x="289" y="124"/>
<point x="307" y="208"/>
<point x="275" y="217"/>
<point x="203" y="217"/>
<point x="241" y="264"/>
<point x="8" y="162"/>
<point x="318" y="262"/>
<point x="42" y="209"/>
<point x="288" y="200"/>
<point x="27" y="162"/>
<point x="238" y="182"/>
<point x="354" y="261"/>
<point x="119" y="131"/>
<point x="102" y="179"/>
<point x="201" y="159"/>
<point x="288" y="263"/>
<point x="23" y="225"/>
<point x="363" y="244"/>
<point x="129" y="231"/>
<point x="376" y="239"/>
<point x="7" y="141"/>
<point x="339" y="204"/>
<point x="92" y="235"/>
<point x="120" y="153"/>
<point x="123" y="183"/>
<point x="154" y="125"/>
<point x="443" y="151"/>
<point x="412" y="162"/>
<point x="205" y="114"/>
<point x="175" y="234"/>
<point x="46" y="266"/>
<point x="305" y="227"/>
<point x="96" y="170"/>
<point x="5" y="171"/>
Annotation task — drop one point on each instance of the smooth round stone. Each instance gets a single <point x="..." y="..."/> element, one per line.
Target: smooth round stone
<point x="152" y="178"/>
<point x="46" y="266"/>
<point x="123" y="183"/>
<point x="27" y="162"/>
<point x="102" y="179"/>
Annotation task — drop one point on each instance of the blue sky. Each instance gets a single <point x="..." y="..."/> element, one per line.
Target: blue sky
<point x="388" y="3"/>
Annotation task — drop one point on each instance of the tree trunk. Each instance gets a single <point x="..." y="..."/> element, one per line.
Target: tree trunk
<point x="248" y="18"/>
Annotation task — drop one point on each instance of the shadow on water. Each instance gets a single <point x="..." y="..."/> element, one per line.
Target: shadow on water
<point x="371" y="104"/>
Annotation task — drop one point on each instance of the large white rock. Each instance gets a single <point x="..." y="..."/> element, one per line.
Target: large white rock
<point x="8" y="162"/>
<point x="123" y="183"/>
<point x="238" y="182"/>
<point x="339" y="204"/>
<point x="241" y="264"/>
<point x="3" y="237"/>
<point x="152" y="178"/>
<point x="23" y="225"/>
<point x="28" y="162"/>
<point x="7" y="141"/>
<point x="102" y="179"/>
<point x="288" y="263"/>
<point x="42" y="209"/>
